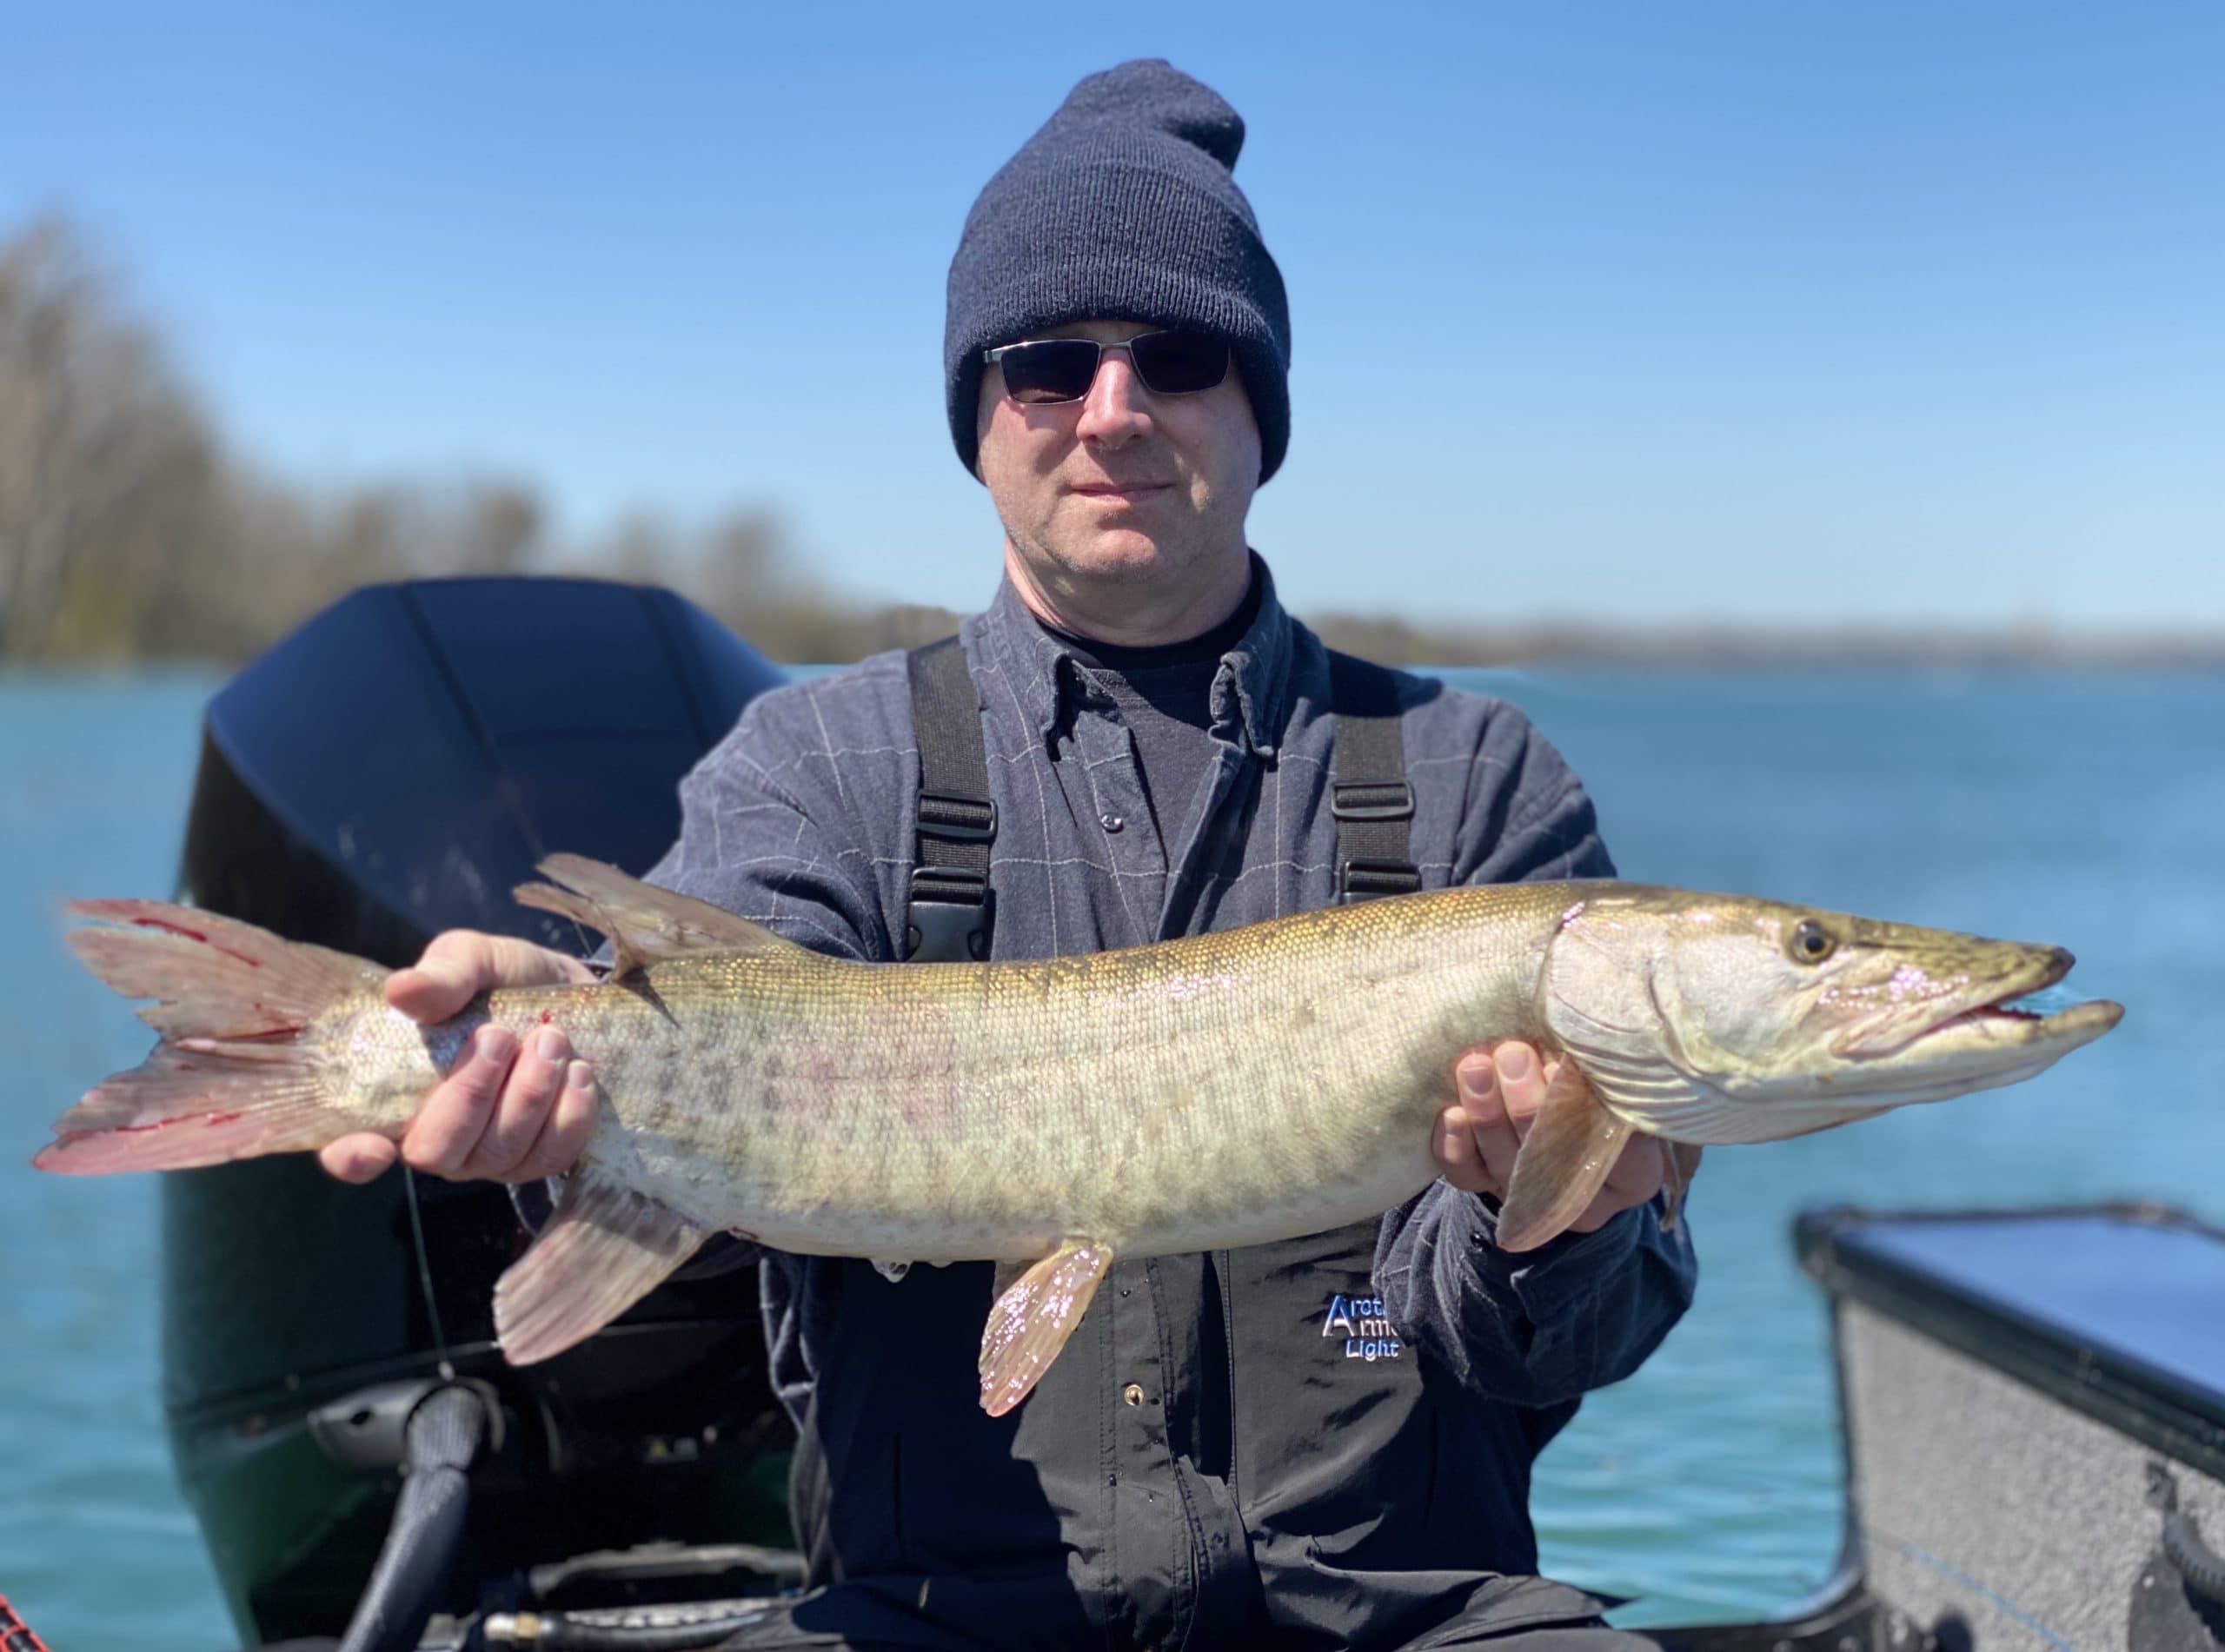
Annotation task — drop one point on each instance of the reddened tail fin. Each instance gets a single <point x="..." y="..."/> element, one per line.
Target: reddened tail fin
<point x="232" y="1079"/>
<point x="213" y="977"/>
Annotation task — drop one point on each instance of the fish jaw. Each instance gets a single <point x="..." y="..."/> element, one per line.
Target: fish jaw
<point x="1921" y="1005"/>
<point x="1982" y="1049"/>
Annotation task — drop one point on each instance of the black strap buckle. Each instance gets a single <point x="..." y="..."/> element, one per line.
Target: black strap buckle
<point x="957" y="818"/>
<point x="951" y="912"/>
<point x="1372" y="800"/>
<point x="1364" y="880"/>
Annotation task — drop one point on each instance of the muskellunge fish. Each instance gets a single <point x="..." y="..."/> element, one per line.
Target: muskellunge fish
<point x="1226" y="1090"/>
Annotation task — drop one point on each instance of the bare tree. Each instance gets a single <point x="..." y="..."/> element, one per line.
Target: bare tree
<point x="105" y="462"/>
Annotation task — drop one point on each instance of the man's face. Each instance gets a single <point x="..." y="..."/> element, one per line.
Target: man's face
<point x="1123" y="488"/>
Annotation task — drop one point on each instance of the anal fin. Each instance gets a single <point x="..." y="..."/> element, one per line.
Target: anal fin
<point x="1031" y="1318"/>
<point x="1573" y="1145"/>
<point x="606" y="1248"/>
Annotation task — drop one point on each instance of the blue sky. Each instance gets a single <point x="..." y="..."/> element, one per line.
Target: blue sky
<point x="1792" y="313"/>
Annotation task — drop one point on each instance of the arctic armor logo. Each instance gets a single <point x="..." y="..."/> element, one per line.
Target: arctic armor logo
<point x="1367" y="1335"/>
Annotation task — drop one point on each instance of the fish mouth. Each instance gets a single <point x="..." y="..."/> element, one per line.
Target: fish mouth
<point x="2002" y="1026"/>
<point x="1995" y="1023"/>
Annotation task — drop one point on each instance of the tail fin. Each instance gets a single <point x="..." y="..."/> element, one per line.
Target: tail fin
<point x="232" y="1079"/>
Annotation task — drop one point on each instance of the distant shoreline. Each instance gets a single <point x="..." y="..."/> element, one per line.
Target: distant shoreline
<point x="841" y="638"/>
<point x="1777" y="649"/>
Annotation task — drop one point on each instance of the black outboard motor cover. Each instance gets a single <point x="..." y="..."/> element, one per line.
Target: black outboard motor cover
<point x="391" y="770"/>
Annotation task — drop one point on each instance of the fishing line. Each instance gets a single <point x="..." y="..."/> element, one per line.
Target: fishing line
<point x="425" y="1273"/>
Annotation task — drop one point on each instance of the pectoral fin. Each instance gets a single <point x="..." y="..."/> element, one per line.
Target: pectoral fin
<point x="1572" y="1144"/>
<point x="605" y="1249"/>
<point x="1031" y="1318"/>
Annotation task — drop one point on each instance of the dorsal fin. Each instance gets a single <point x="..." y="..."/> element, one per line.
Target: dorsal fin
<point x="644" y="923"/>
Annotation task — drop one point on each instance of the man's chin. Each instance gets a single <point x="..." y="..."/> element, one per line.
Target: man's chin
<point x="1117" y="553"/>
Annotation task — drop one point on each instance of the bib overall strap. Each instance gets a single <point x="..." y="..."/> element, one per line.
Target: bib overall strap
<point x="1368" y="792"/>
<point x="951" y="914"/>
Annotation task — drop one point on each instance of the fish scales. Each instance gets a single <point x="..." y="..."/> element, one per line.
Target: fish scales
<point x="941" y="1112"/>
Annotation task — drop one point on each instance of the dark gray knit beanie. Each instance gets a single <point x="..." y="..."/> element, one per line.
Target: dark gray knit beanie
<point x="1122" y="207"/>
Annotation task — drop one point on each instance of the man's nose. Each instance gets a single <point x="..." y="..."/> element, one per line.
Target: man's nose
<point x="1118" y="408"/>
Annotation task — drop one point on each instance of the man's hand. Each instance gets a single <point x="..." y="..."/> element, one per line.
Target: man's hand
<point x="1501" y="1087"/>
<point x="502" y="1115"/>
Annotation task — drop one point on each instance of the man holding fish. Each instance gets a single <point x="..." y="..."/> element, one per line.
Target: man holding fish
<point x="1155" y="1069"/>
<point x="1209" y="1461"/>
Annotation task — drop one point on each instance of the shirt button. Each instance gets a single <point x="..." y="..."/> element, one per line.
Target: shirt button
<point x="1111" y="822"/>
<point x="1133" y="1394"/>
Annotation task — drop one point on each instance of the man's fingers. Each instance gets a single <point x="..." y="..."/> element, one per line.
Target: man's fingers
<point x="1457" y="1160"/>
<point x="1502" y="1093"/>
<point x="1641" y="1170"/>
<point x="452" y="970"/>
<point x="358" y="1157"/>
<point x="448" y="1126"/>
<point x="1496" y="1143"/>
<point x="463" y="963"/>
<point x="1636" y="1177"/>
<point x="523" y="1107"/>
<point x="1522" y="1082"/>
<point x="565" y="1136"/>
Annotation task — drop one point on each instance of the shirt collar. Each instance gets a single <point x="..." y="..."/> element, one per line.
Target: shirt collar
<point x="1251" y="691"/>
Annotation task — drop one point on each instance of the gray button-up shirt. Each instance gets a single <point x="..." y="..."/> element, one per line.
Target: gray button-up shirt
<point x="1226" y="1436"/>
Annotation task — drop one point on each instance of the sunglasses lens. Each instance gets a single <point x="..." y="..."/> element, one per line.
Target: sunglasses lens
<point x="1179" y="363"/>
<point x="1050" y="369"/>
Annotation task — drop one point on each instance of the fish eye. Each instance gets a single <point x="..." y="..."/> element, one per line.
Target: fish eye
<point x="1812" y="942"/>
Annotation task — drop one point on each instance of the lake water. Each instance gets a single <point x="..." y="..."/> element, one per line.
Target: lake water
<point x="2088" y="810"/>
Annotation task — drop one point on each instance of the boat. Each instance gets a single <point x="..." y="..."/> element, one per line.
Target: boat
<point x="2033" y="1401"/>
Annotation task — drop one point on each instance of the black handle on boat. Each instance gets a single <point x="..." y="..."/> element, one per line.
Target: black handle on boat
<point x="2198" y="1565"/>
<point x="443" y="1437"/>
<point x="618" y="1632"/>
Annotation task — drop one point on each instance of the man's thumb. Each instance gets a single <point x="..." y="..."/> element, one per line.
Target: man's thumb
<point x="434" y="988"/>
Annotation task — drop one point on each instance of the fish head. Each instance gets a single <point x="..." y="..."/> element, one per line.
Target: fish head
<point x="1726" y="1019"/>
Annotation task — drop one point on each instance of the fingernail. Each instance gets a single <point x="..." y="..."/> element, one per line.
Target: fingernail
<point x="1475" y="1080"/>
<point x="579" y="1076"/>
<point x="1514" y="1065"/>
<point x="549" y="1045"/>
<point x="495" y="1043"/>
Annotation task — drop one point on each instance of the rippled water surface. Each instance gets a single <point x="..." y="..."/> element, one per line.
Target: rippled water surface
<point x="2084" y="810"/>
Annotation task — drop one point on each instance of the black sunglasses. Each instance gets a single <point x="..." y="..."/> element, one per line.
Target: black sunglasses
<point x="1042" y="370"/>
